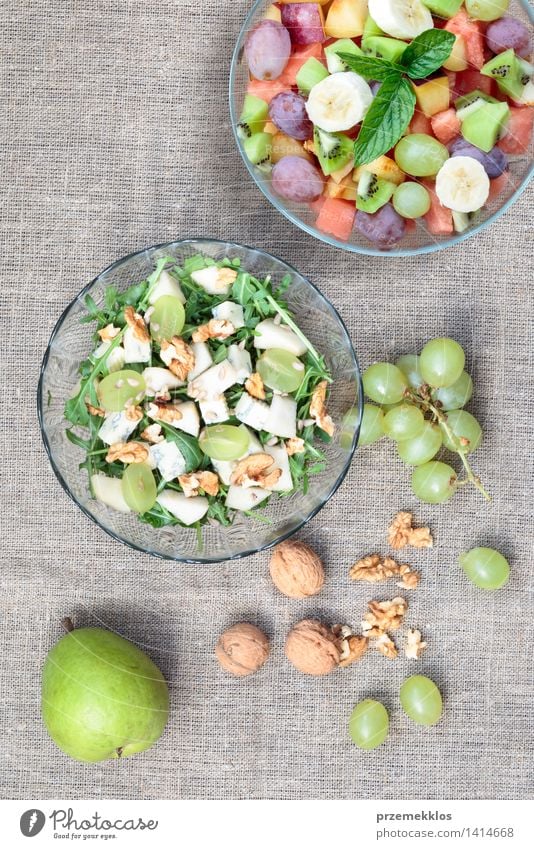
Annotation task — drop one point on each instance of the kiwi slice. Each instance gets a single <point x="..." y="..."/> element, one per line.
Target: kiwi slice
<point x="476" y="96"/>
<point x="253" y="117"/>
<point x="373" y="193"/>
<point x="258" y="149"/>
<point x="311" y="73"/>
<point x="333" y="150"/>
<point x="343" y="45"/>
<point x="483" y="126"/>
<point x="370" y="28"/>
<point x="385" y="48"/>
<point x="509" y="73"/>
<point x="443" y="8"/>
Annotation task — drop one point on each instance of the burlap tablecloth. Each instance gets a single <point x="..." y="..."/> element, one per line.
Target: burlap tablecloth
<point x="115" y="135"/>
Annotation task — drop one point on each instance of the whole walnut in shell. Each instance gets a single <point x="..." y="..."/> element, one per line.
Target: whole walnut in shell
<point x="297" y="571"/>
<point x="242" y="649"/>
<point x="311" y="648"/>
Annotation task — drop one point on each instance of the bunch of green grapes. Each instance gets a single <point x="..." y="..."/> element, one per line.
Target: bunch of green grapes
<point x="420" y="406"/>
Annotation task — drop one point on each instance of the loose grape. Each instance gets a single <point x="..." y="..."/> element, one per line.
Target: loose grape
<point x="422" y="447"/>
<point x="288" y="112"/>
<point x="486" y="568"/>
<point x="404" y="422"/>
<point x="464" y="427"/>
<point x="167" y="318"/>
<point x="267" y="50"/>
<point x="296" y="179"/>
<point x="421" y="700"/>
<point x="371" y="427"/>
<point x="410" y="367"/>
<point x="495" y="162"/>
<point x="384" y="228"/>
<point x="139" y="487"/>
<point x="384" y="383"/>
<point x="280" y="370"/>
<point x="411" y="200"/>
<point x="434" y="482"/>
<point x="509" y="34"/>
<point x="369" y="724"/>
<point x="486" y="10"/>
<point x="420" y="155"/>
<point x="455" y="396"/>
<point x="120" y="389"/>
<point x="224" y="442"/>
<point x="442" y="362"/>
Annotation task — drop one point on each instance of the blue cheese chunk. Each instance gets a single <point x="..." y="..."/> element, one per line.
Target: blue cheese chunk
<point x="135" y="351"/>
<point x="252" y="412"/>
<point x="117" y="427"/>
<point x="240" y="359"/>
<point x="168" y="459"/>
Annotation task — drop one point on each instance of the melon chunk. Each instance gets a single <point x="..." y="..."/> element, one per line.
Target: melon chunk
<point x="109" y="492"/>
<point x="186" y="510"/>
<point x="346" y="18"/>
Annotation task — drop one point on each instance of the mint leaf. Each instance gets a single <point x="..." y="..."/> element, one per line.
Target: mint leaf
<point x="369" y="66"/>
<point x="427" y="53"/>
<point x="388" y="117"/>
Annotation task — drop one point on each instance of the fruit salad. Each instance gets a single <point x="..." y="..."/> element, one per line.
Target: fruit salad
<point x="382" y="116"/>
<point x="201" y="399"/>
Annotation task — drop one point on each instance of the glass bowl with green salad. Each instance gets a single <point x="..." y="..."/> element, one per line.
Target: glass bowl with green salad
<point x="200" y="400"/>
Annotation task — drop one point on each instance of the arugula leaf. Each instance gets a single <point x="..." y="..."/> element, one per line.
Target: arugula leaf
<point x="370" y="67"/>
<point x="75" y="409"/>
<point x="388" y="117"/>
<point x="187" y="444"/>
<point x="427" y="53"/>
<point x="243" y="289"/>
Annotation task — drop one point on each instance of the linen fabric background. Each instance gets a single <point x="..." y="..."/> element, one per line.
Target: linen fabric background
<point x="115" y="136"/>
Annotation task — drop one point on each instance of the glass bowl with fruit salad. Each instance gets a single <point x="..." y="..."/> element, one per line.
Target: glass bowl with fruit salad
<point x="387" y="126"/>
<point x="200" y="400"/>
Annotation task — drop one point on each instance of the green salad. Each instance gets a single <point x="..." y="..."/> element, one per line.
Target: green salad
<point x="201" y="399"/>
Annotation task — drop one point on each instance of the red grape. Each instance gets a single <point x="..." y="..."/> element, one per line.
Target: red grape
<point x="288" y="112"/>
<point x="267" y="49"/>
<point x="296" y="179"/>
<point x="304" y="22"/>
<point x="386" y="228"/>
<point x="508" y="34"/>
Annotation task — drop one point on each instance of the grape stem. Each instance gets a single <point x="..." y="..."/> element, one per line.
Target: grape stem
<point x="424" y="400"/>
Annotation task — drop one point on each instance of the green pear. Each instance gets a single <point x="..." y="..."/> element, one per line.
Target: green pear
<point x="102" y="697"/>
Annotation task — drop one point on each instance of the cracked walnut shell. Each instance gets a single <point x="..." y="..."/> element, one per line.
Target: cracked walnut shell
<point x="296" y="570"/>
<point x="242" y="649"/>
<point x="312" y="648"/>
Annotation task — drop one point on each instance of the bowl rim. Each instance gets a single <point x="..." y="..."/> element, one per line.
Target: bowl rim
<point x="44" y="436"/>
<point x="330" y="240"/>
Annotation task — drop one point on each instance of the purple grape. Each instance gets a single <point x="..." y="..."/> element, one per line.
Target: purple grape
<point x="304" y="22"/>
<point x="495" y="162"/>
<point x="296" y="179"/>
<point x="385" y="227"/>
<point x="374" y="85"/>
<point x="288" y="112"/>
<point x="508" y="34"/>
<point x="267" y="50"/>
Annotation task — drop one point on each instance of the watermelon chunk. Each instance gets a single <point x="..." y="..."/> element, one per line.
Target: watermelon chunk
<point x="498" y="185"/>
<point x="471" y="80"/>
<point x="471" y="31"/>
<point x="446" y="125"/>
<point x="317" y="205"/>
<point x="267" y="89"/>
<point x="336" y="218"/>
<point x="438" y="218"/>
<point x="518" y="131"/>
<point x="299" y="56"/>
<point x="420" y="124"/>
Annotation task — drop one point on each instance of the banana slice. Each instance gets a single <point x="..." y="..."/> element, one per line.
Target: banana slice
<point x="339" y="102"/>
<point x="401" y="18"/>
<point x="462" y="184"/>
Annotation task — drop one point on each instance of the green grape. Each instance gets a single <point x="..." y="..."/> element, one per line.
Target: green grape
<point x="464" y="426"/>
<point x="404" y="422"/>
<point x="120" y="389"/>
<point x="369" y="724"/>
<point x="411" y="200"/>
<point x="422" y="447"/>
<point x="434" y="482"/>
<point x="486" y="10"/>
<point x="371" y="427"/>
<point x="139" y="487"/>
<point x="420" y="155"/>
<point x="421" y="700"/>
<point x="410" y="367"/>
<point x="485" y="567"/>
<point x="224" y="442"/>
<point x="384" y="383"/>
<point x="455" y="396"/>
<point x="167" y="319"/>
<point x="280" y="370"/>
<point x="442" y="362"/>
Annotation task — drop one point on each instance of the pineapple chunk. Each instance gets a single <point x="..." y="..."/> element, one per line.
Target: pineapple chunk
<point x="433" y="96"/>
<point x="346" y="18"/>
<point x="333" y="190"/>
<point x="186" y="510"/>
<point x="339" y="176"/>
<point x="166" y="285"/>
<point x="273" y="13"/>
<point x="384" y="168"/>
<point x="282" y="418"/>
<point x="109" y="492"/>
